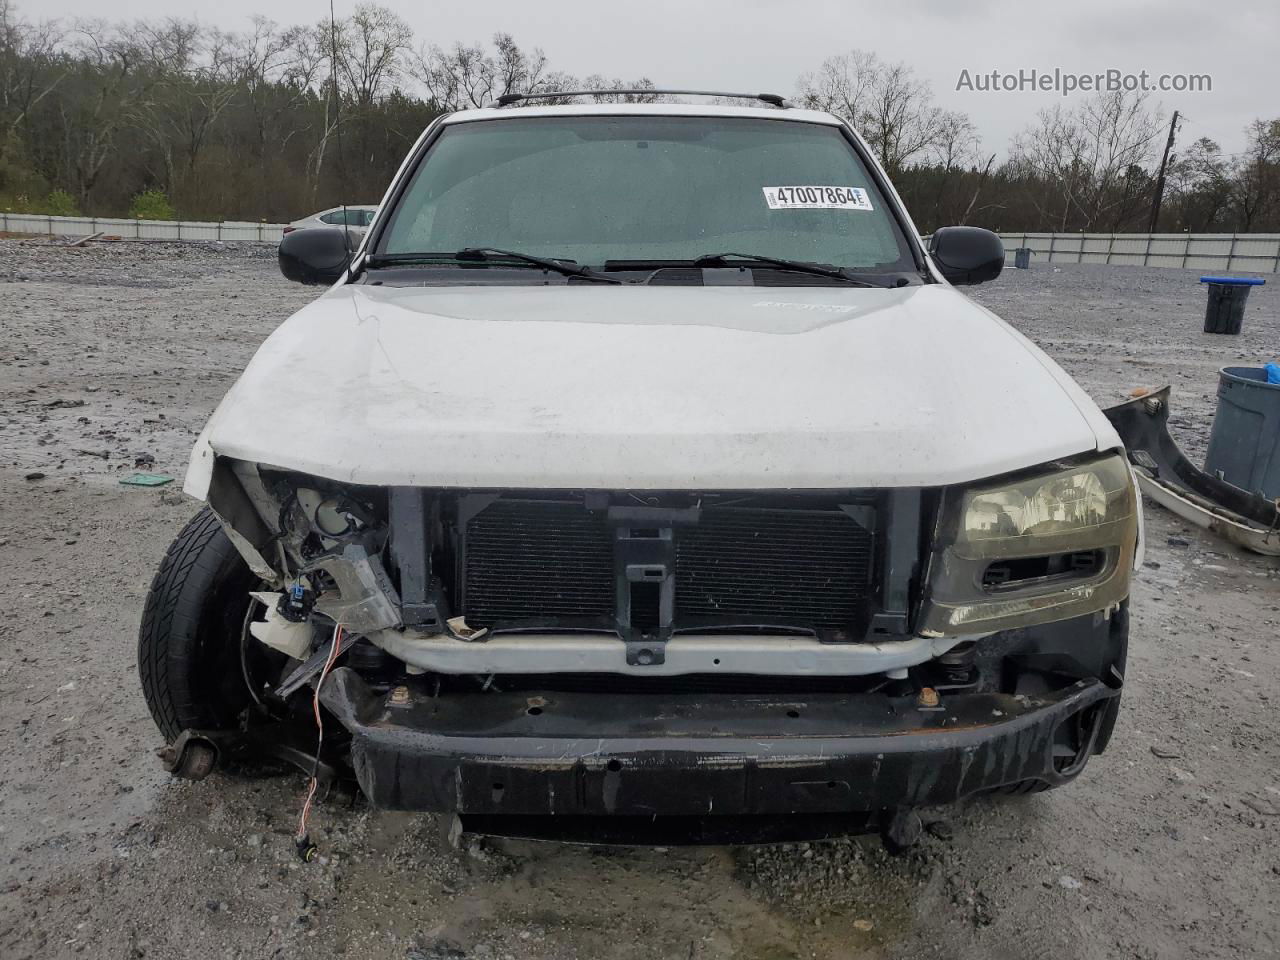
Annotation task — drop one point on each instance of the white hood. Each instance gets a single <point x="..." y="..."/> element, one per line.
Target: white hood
<point x="632" y="387"/>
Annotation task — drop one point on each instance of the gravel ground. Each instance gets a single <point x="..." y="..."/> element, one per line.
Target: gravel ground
<point x="114" y="355"/>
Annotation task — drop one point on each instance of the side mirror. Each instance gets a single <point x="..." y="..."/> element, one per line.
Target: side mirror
<point x="967" y="255"/>
<point x="316" y="256"/>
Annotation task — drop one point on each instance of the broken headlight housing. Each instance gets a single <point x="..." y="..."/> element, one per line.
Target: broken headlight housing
<point x="1032" y="548"/>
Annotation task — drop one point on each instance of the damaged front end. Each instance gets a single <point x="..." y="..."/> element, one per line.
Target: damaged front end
<point x="319" y="542"/>
<point x="582" y="654"/>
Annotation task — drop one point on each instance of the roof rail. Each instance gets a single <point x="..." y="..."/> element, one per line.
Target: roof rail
<point x="773" y="99"/>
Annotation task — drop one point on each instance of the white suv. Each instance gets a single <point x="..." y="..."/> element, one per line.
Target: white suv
<point x="641" y="467"/>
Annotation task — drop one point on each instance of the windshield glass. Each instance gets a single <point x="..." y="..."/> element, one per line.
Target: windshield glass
<point x="646" y="188"/>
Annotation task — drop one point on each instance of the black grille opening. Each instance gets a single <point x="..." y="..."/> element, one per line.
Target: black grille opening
<point x="780" y="567"/>
<point x="549" y="564"/>
<point x="529" y="561"/>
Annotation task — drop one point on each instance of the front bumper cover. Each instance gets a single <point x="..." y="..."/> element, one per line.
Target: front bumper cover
<point x="585" y="755"/>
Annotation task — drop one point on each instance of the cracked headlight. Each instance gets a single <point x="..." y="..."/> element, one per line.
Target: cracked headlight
<point x="1033" y="548"/>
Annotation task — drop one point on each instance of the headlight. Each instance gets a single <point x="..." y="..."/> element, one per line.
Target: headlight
<point x="1034" y="548"/>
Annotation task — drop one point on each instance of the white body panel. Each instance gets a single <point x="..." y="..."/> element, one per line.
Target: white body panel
<point x="780" y="656"/>
<point x="650" y="387"/>
<point x="633" y="387"/>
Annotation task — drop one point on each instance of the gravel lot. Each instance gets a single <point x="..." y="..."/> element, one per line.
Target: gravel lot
<point x="1168" y="846"/>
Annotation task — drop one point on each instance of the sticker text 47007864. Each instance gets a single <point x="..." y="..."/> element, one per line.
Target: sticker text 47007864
<point x="816" y="198"/>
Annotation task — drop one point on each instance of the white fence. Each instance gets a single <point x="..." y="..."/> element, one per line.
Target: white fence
<point x="1245" y="252"/>
<point x="139" y="229"/>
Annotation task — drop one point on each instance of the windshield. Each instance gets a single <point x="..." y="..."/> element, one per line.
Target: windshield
<point x="643" y="188"/>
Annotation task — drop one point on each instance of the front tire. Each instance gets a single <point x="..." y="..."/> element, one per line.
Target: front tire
<point x="189" y="657"/>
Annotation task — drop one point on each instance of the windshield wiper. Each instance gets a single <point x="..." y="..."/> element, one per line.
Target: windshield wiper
<point x="568" y="267"/>
<point x="798" y="266"/>
<point x="490" y="255"/>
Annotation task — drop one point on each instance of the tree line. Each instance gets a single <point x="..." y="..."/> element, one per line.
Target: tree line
<point x="165" y="118"/>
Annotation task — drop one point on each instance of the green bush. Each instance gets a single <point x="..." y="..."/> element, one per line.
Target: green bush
<point x="151" y="205"/>
<point x="61" y="204"/>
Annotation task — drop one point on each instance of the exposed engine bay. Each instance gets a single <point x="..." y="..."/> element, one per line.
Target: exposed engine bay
<point x="562" y="582"/>
<point x="508" y="590"/>
<point x="463" y="639"/>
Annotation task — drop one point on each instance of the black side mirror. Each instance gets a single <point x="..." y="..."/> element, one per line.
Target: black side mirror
<point x="967" y="255"/>
<point x="314" y="256"/>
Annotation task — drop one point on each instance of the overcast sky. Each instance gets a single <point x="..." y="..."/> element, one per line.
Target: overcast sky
<point x="765" y="44"/>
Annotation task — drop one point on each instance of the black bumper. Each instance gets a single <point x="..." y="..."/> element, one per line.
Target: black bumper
<point x="586" y="755"/>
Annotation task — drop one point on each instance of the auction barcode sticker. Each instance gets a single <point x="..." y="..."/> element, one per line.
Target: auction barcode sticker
<point x="816" y="198"/>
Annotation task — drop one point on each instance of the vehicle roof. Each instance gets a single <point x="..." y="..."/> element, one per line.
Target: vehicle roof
<point x="762" y="112"/>
<point x="341" y="206"/>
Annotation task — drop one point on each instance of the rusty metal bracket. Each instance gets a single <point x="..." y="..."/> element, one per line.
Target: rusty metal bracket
<point x="192" y="756"/>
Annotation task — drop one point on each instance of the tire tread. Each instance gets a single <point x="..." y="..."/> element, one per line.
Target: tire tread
<point x="170" y="621"/>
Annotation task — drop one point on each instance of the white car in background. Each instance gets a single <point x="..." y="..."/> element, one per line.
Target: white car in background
<point x="356" y="217"/>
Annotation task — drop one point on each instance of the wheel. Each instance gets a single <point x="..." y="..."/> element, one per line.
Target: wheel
<point x="191" y="641"/>
<point x="1022" y="787"/>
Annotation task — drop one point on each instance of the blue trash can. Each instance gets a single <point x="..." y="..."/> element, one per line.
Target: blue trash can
<point x="1021" y="258"/>
<point x="1246" y="432"/>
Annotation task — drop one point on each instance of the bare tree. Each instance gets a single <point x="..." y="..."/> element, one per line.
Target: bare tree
<point x="200" y="77"/>
<point x="170" y="45"/>
<point x="1086" y="156"/>
<point x="249" y="124"/>
<point x="842" y="85"/>
<point x="369" y="46"/>
<point x="1257" y="180"/>
<point x="983" y="174"/>
<point x="471" y="76"/>
<point x="455" y="79"/>
<point x="1200" y="181"/>
<point x="129" y="62"/>
<point x="955" y="151"/>
<point x="885" y="102"/>
<point x="516" y="71"/>
<point x="31" y="69"/>
<point x="31" y="66"/>
<point x="366" y="58"/>
<point x="270" y="61"/>
<point x="598" y="82"/>
<point x="956" y="144"/>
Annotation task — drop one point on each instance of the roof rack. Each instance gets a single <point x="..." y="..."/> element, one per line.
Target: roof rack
<point x="773" y="99"/>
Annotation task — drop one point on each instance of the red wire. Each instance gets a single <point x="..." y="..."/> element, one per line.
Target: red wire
<point x="315" y="708"/>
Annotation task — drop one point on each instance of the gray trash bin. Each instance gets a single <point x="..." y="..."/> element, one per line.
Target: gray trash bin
<point x="1021" y="258"/>
<point x="1224" y="311"/>
<point x="1244" y="442"/>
